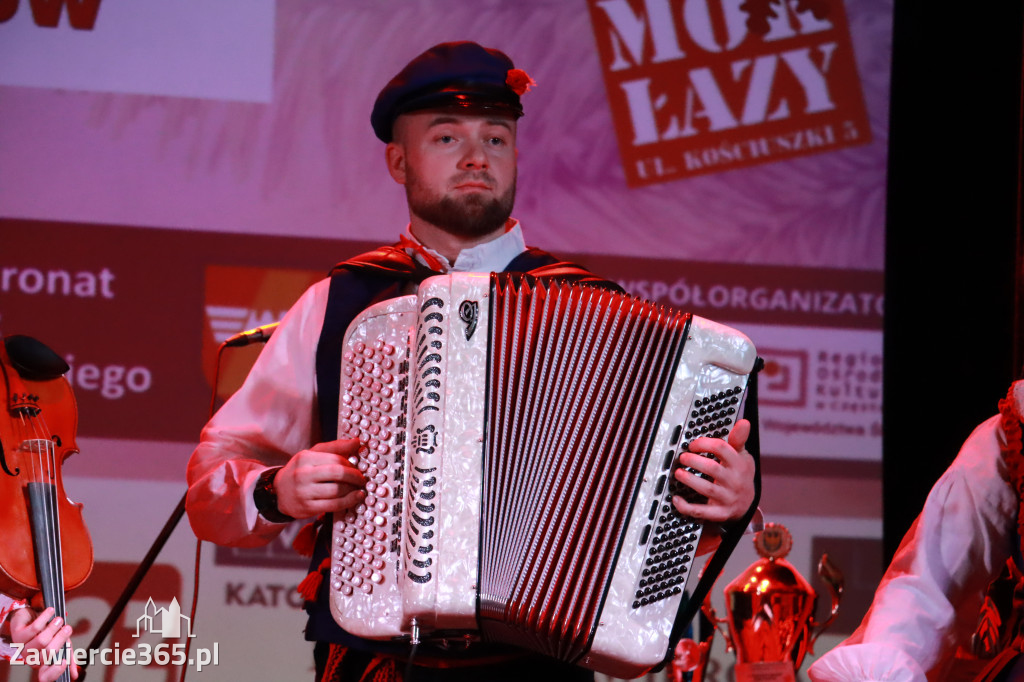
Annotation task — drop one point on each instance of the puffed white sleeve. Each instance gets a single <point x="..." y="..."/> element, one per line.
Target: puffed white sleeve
<point x="929" y="598"/>
<point x="269" y="419"/>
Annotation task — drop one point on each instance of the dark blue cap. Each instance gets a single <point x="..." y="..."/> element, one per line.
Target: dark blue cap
<point x="461" y="74"/>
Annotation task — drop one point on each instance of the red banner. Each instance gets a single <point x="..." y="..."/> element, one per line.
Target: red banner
<point x="139" y="313"/>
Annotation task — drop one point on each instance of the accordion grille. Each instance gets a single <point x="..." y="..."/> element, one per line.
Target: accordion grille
<point x="578" y="380"/>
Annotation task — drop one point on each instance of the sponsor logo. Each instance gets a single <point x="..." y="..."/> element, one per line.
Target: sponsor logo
<point x="783" y="381"/>
<point x="842" y="381"/>
<point x="828" y="388"/>
<point x="226" y="321"/>
<point x="701" y="86"/>
<point x="238" y="299"/>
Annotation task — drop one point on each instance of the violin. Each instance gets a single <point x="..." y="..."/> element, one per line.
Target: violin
<point x="46" y="547"/>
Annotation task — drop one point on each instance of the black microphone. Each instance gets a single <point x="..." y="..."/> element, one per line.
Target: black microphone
<point x="255" y="335"/>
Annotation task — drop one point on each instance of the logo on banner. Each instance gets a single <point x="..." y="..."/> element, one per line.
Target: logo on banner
<point x="225" y="320"/>
<point x="784" y="378"/>
<point x="241" y="298"/>
<point x="825" y="393"/>
<point x="702" y="86"/>
<point x="841" y="381"/>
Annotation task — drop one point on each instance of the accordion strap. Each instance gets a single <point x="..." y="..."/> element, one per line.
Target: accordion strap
<point x="538" y="263"/>
<point x="389" y="261"/>
<point x="731" y="532"/>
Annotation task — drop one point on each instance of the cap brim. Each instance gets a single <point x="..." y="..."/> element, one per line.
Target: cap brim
<point x="484" y="100"/>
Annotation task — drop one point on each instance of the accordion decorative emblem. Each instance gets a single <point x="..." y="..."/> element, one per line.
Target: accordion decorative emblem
<point x="520" y="437"/>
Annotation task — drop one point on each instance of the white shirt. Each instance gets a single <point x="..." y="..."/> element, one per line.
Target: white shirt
<point x="490" y="256"/>
<point x="273" y="415"/>
<point x="928" y="601"/>
<point x="8" y="605"/>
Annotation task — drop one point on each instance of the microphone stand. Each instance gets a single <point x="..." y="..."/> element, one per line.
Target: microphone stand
<point x="133" y="584"/>
<point x="256" y="335"/>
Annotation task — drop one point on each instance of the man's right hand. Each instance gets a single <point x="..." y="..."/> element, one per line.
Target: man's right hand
<point x="321" y="479"/>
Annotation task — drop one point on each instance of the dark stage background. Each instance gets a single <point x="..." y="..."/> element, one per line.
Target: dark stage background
<point x="953" y="335"/>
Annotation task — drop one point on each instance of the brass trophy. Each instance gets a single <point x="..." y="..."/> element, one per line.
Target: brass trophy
<point x="771" y="611"/>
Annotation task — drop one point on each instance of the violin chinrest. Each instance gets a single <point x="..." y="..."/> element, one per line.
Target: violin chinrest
<point x="33" y="359"/>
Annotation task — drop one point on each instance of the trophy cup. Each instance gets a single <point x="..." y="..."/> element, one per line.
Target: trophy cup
<point x="771" y="611"/>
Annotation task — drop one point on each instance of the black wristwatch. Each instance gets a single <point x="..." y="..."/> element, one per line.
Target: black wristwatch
<point x="265" y="498"/>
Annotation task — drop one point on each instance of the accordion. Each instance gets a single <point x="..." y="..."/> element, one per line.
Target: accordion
<point x="519" y="440"/>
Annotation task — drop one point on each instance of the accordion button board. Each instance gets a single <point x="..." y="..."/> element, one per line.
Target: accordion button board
<point x="374" y="378"/>
<point x="520" y="438"/>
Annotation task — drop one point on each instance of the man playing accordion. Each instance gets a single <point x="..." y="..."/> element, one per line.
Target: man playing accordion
<point x="271" y="454"/>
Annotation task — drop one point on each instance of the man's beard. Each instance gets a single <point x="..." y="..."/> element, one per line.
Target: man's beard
<point x="472" y="215"/>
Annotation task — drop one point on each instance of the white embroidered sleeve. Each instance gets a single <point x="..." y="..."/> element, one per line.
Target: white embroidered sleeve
<point x="269" y="419"/>
<point x="928" y="601"/>
<point x="867" y="663"/>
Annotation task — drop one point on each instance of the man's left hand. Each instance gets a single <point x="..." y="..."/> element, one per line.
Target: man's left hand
<point x="730" y="491"/>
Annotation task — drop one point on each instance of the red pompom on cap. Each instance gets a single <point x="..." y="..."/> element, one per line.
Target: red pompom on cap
<point x="519" y="81"/>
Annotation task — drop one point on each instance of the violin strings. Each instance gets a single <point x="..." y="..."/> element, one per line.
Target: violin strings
<point x="44" y="467"/>
<point x="53" y="519"/>
<point x="53" y="516"/>
<point x="45" y="475"/>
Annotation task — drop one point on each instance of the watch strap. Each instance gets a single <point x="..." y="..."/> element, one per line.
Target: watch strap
<point x="265" y="497"/>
